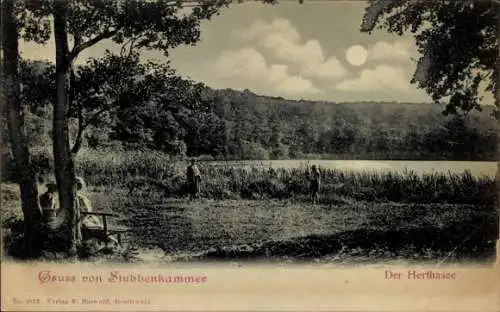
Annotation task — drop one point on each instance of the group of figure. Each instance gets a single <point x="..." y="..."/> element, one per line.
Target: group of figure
<point x="48" y="201"/>
<point x="194" y="181"/>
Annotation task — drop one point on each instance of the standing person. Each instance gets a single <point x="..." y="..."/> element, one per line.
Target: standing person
<point x="315" y="179"/>
<point x="193" y="179"/>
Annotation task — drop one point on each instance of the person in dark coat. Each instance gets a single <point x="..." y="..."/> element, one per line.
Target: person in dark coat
<point x="194" y="180"/>
<point x="315" y="180"/>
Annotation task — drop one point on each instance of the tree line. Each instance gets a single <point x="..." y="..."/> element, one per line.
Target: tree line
<point x="124" y="103"/>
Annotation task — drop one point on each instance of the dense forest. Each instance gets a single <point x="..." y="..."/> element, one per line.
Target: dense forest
<point x="241" y="125"/>
<point x="185" y="118"/>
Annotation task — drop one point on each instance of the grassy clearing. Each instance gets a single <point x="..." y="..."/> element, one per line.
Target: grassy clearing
<point x="349" y="232"/>
<point x="294" y="230"/>
<point x="259" y="213"/>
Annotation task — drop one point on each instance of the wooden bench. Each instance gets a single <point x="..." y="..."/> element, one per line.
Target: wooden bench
<point x="104" y="232"/>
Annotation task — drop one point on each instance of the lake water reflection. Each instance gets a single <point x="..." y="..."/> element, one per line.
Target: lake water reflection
<point x="477" y="168"/>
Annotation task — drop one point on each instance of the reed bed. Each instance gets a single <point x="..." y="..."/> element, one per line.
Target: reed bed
<point x="153" y="172"/>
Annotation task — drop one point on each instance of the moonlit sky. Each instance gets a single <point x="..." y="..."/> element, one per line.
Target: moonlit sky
<point x="290" y="50"/>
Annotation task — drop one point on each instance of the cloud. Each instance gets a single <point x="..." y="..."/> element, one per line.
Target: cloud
<point x="330" y="69"/>
<point x="400" y="50"/>
<point x="260" y="29"/>
<point x="247" y="62"/>
<point x="381" y="78"/>
<point x="297" y="85"/>
<point x="283" y="41"/>
<point x="249" y="67"/>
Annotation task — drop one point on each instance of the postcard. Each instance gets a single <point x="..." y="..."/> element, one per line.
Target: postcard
<point x="218" y="155"/>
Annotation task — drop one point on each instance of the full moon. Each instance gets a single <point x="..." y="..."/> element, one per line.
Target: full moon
<point x="356" y="55"/>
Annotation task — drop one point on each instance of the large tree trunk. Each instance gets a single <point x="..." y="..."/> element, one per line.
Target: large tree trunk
<point x="15" y="120"/>
<point x="63" y="160"/>
<point x="497" y="104"/>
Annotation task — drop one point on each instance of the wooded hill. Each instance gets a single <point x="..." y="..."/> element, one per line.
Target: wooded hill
<point x="190" y="119"/>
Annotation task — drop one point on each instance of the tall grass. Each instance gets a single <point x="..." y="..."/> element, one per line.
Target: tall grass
<point x="149" y="172"/>
<point x="153" y="171"/>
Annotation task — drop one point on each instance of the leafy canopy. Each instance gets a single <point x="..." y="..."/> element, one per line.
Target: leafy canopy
<point x="457" y="41"/>
<point x="149" y="24"/>
<point x="160" y="24"/>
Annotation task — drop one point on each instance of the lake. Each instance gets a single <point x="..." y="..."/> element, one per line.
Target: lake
<point x="477" y="168"/>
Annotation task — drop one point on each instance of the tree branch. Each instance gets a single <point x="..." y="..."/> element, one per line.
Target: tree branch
<point x="130" y="43"/>
<point x="82" y="125"/>
<point x="79" y="137"/>
<point x="72" y="83"/>
<point x="77" y="43"/>
<point x="96" y="115"/>
<point x="105" y="35"/>
<point x="373" y="13"/>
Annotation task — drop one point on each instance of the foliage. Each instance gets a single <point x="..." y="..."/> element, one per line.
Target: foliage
<point x="457" y="41"/>
<point x="228" y="124"/>
<point x="120" y="101"/>
<point x="160" y="25"/>
<point x="139" y="24"/>
<point x="136" y="25"/>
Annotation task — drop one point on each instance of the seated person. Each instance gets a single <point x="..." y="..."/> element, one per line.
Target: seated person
<point x="84" y="204"/>
<point x="48" y="202"/>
